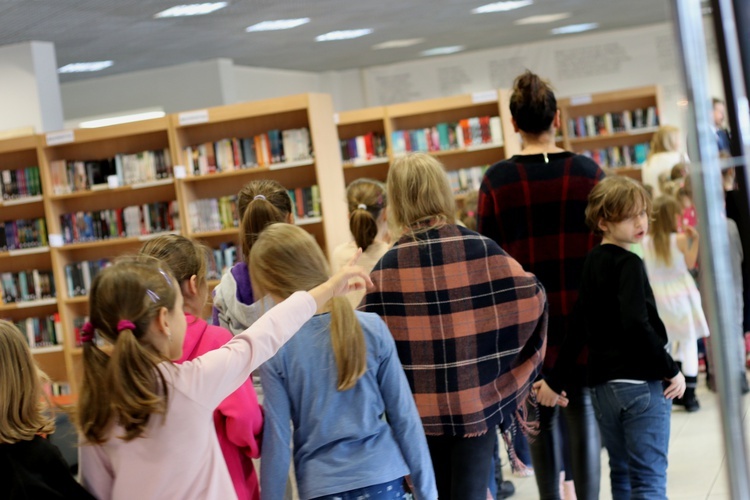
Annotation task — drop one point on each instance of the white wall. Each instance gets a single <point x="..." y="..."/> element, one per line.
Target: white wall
<point x="263" y="83"/>
<point x="172" y="89"/>
<point x="29" y="88"/>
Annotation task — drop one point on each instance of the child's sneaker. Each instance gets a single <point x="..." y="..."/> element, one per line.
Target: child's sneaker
<point x="523" y="471"/>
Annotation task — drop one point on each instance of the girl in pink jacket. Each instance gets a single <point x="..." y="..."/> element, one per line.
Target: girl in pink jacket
<point x="239" y="418"/>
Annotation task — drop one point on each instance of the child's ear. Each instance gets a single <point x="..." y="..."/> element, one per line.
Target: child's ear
<point x="162" y="320"/>
<point x="192" y="285"/>
<point x="602" y="225"/>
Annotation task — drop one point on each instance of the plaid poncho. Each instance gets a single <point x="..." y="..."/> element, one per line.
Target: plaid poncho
<point x="470" y="327"/>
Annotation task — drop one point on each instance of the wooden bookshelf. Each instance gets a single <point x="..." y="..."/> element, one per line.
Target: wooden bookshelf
<point x="426" y="114"/>
<point x="628" y="100"/>
<point x="311" y="111"/>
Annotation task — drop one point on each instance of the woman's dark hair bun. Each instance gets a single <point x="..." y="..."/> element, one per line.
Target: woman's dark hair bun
<point x="532" y="103"/>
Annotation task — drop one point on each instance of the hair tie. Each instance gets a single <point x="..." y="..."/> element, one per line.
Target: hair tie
<point x="362" y="206"/>
<point x="259" y="197"/>
<point x="88" y="332"/>
<point x="124" y="324"/>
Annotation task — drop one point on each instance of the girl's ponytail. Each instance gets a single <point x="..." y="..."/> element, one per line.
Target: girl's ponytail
<point x="366" y="199"/>
<point x="94" y="410"/>
<point x="260" y="203"/>
<point x="348" y="342"/>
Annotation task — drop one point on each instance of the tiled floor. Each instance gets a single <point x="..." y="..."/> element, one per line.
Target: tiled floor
<point x="697" y="462"/>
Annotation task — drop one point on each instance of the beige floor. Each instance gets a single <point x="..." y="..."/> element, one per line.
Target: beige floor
<point x="697" y="462"/>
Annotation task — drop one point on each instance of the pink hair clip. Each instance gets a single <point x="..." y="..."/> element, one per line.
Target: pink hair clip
<point x="88" y="332"/>
<point x="124" y="324"/>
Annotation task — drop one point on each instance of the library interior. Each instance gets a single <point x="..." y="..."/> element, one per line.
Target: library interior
<point x="196" y="133"/>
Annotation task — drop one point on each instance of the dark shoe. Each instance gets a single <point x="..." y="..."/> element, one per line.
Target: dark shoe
<point x="692" y="404"/>
<point x="505" y="490"/>
<point x="743" y="384"/>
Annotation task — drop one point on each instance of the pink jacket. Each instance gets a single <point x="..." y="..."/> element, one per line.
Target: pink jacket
<point x="238" y="419"/>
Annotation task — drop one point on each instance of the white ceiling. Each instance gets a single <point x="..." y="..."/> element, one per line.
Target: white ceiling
<point x="126" y="32"/>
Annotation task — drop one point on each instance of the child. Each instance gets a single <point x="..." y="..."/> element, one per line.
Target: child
<point x="669" y="256"/>
<point x="259" y="203"/>
<point x="147" y="422"/>
<point x="633" y="377"/>
<point x="238" y="419"/>
<point x="335" y="380"/>
<point x="367" y="223"/>
<point x="30" y="466"/>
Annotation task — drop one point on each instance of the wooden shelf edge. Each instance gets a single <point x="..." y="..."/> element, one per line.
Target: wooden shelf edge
<point x="47" y="349"/>
<point x="112" y="241"/>
<point x="105" y="191"/>
<point x="249" y="170"/>
<point x="24" y="200"/>
<point x="615" y="136"/>
<point x="366" y="163"/>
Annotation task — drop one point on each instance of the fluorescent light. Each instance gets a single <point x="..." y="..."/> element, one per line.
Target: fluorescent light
<point x="195" y="9"/>
<point x="342" y="35"/>
<point x="441" y="51"/>
<point x="397" y="44"/>
<point x="543" y="19"/>
<point x="116" y="120"/>
<point x="501" y="6"/>
<point x="574" y="28"/>
<point x="281" y="24"/>
<point x="83" y="67"/>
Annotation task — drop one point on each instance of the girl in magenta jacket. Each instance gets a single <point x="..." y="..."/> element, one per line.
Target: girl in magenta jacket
<point x="239" y="418"/>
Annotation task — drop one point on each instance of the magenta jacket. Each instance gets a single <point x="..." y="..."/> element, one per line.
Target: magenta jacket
<point x="238" y="419"/>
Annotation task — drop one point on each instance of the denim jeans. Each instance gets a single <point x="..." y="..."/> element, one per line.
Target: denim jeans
<point x="634" y="420"/>
<point x="547" y="448"/>
<point x="392" y="490"/>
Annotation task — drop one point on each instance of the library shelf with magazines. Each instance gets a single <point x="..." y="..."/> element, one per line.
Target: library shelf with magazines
<point x="613" y="128"/>
<point x="107" y="191"/>
<point x="467" y="133"/>
<point x="28" y="287"/>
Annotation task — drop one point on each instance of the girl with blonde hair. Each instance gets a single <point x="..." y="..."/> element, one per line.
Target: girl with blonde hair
<point x="367" y="202"/>
<point x="335" y="380"/>
<point x="239" y="418"/>
<point x="669" y="256"/>
<point x="469" y="323"/>
<point x="665" y="152"/>
<point x="147" y="423"/>
<point x="30" y="466"/>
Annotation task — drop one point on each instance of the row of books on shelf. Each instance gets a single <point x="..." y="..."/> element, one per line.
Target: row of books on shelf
<point x="610" y="123"/>
<point x="78" y="276"/>
<point x="226" y="155"/>
<point x="146" y="166"/>
<point x="23" y="233"/>
<point x="78" y="323"/>
<point x="57" y="389"/>
<point x="619" y="156"/>
<point x="27" y="286"/>
<point x="466" y="180"/>
<point x="223" y="258"/>
<point x="363" y="147"/>
<point x="21" y="183"/>
<point x="446" y="136"/>
<point x="43" y="331"/>
<point x="133" y="221"/>
<point x="216" y="214"/>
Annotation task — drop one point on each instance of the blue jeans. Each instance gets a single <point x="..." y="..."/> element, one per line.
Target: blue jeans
<point x="634" y="420"/>
<point x="392" y="490"/>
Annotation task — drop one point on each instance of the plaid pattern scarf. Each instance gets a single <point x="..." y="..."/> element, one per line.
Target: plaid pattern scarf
<point x="470" y="327"/>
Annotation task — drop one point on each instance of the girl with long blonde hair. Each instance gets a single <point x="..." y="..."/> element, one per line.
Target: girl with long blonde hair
<point x="147" y="423"/>
<point x="30" y="466"/>
<point x="669" y="255"/>
<point x="666" y="151"/>
<point x="335" y="380"/>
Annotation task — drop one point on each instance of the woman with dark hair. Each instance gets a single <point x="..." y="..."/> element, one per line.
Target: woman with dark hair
<point x="532" y="205"/>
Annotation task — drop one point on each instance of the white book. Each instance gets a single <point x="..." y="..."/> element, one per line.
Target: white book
<point x="460" y="137"/>
<point x="496" y="130"/>
<point x="361" y="148"/>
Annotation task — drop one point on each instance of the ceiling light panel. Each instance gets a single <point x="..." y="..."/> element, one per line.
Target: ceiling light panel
<point x="280" y="24"/>
<point x="195" y="9"/>
<point x="543" y="19"/>
<point x="397" y="44"/>
<point x="85" y="67"/>
<point x="502" y="6"/>
<point x="574" y="28"/>
<point x="342" y="35"/>
<point x="441" y="51"/>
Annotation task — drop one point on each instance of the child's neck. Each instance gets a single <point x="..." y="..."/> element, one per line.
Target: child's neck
<point x="609" y="241"/>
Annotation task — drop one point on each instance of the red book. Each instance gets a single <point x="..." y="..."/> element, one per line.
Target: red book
<point x="466" y="129"/>
<point x="236" y="151"/>
<point x="299" y="198"/>
<point x="368" y="146"/>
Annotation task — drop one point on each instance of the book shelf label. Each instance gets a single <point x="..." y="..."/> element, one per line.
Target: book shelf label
<point x="484" y="96"/>
<point x="61" y="137"/>
<point x="113" y="181"/>
<point x="578" y="100"/>
<point x="179" y="172"/>
<point x="193" y="117"/>
<point x="336" y="118"/>
<point x="55" y="240"/>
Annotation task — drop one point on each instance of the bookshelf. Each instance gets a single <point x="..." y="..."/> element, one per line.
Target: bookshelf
<point x="78" y="228"/>
<point x="310" y="112"/>
<point x="612" y="127"/>
<point x="428" y="116"/>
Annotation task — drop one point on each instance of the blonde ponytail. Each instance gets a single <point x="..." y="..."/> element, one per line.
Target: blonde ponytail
<point x="348" y="342"/>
